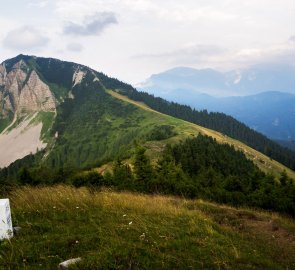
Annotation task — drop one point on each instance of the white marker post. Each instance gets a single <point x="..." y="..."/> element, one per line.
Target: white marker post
<point x="6" y="230"/>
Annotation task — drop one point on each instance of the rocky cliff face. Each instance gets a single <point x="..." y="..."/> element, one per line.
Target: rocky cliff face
<point x="23" y="95"/>
<point x="22" y="91"/>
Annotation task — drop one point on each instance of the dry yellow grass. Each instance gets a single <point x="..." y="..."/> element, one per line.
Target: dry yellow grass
<point x="60" y="196"/>
<point x="112" y="230"/>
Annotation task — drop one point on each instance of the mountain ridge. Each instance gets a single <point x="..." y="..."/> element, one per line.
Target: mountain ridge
<point x="78" y="91"/>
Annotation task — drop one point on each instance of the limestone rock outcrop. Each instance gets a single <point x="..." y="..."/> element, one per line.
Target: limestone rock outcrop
<point x="22" y="91"/>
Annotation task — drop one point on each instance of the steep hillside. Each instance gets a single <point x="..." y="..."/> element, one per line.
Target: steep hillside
<point x="185" y="129"/>
<point x="111" y="230"/>
<point x="27" y="109"/>
<point x="23" y="138"/>
<point x="86" y="125"/>
<point x="216" y="121"/>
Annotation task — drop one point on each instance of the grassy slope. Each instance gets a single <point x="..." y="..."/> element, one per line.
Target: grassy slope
<point x="128" y="231"/>
<point x="4" y="123"/>
<point x="99" y="128"/>
<point x="185" y="129"/>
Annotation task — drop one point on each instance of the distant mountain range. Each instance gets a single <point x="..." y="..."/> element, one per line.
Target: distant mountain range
<point x="240" y="82"/>
<point x="262" y="97"/>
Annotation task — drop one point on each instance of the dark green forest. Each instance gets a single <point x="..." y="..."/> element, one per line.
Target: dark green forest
<point x="202" y="168"/>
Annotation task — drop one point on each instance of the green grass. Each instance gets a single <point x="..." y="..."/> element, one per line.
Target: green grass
<point x="60" y="92"/>
<point x="17" y="121"/>
<point x="100" y="127"/>
<point x="111" y="230"/>
<point x="4" y="123"/>
<point x="46" y="118"/>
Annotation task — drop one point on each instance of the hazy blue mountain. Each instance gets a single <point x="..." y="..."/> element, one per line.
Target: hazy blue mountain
<point x="240" y="82"/>
<point x="288" y="144"/>
<point x="272" y="113"/>
<point x="205" y="80"/>
<point x="260" y="104"/>
<point x="262" y="78"/>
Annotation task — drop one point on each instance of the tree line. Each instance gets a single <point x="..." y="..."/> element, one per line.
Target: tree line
<point x="195" y="168"/>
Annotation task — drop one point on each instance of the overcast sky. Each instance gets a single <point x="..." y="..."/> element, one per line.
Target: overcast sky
<point x="132" y="39"/>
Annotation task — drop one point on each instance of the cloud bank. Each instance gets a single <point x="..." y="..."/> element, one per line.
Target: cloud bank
<point x="25" y="38"/>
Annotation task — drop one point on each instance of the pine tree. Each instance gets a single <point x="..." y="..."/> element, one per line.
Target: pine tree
<point x="25" y="177"/>
<point x="122" y="175"/>
<point x="142" y="168"/>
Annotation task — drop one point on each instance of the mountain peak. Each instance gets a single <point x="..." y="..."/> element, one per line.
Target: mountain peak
<point x="18" y="58"/>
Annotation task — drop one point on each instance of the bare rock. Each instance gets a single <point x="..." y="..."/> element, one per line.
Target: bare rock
<point x="78" y="77"/>
<point x="23" y="91"/>
<point x="36" y="96"/>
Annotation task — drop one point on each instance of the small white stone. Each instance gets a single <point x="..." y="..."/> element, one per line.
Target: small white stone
<point x="66" y="264"/>
<point x="16" y="229"/>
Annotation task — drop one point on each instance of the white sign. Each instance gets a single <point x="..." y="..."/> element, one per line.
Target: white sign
<point x="6" y="230"/>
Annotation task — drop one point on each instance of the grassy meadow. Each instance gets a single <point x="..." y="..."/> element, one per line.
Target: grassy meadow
<point x="111" y="230"/>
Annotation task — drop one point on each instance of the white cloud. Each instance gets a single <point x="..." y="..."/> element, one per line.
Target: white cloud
<point x="212" y="56"/>
<point x="25" y="38"/>
<point x="189" y="54"/>
<point x="92" y="25"/>
<point x="39" y="3"/>
<point x="75" y="47"/>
